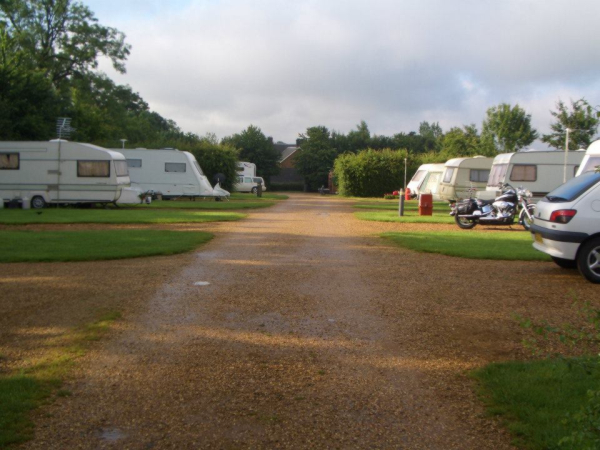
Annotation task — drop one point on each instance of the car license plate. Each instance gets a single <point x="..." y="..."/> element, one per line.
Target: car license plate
<point x="538" y="238"/>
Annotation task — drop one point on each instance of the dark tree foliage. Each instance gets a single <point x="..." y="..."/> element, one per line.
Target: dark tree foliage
<point x="256" y="148"/>
<point x="581" y="120"/>
<point x="61" y="37"/>
<point x="316" y="157"/>
<point x="508" y="128"/>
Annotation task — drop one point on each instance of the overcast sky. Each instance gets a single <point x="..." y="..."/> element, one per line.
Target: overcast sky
<point x="220" y="65"/>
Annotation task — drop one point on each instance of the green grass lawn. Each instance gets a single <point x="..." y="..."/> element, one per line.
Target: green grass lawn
<point x="392" y="205"/>
<point x="251" y="197"/>
<point x="117" y="216"/>
<point x="38" y="246"/>
<point x="201" y="204"/>
<point x="24" y="390"/>
<point x="410" y="216"/>
<point x="534" y="399"/>
<point x="501" y="245"/>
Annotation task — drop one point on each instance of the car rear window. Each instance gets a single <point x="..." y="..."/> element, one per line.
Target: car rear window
<point x="573" y="188"/>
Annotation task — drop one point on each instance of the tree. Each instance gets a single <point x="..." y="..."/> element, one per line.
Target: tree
<point x="255" y="147"/>
<point x="581" y="121"/>
<point x="431" y="131"/>
<point x="316" y="156"/>
<point x="463" y="142"/>
<point x="61" y="37"/>
<point x="508" y="129"/>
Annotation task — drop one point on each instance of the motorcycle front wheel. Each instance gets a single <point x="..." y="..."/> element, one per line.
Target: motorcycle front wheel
<point x="524" y="219"/>
<point x="463" y="223"/>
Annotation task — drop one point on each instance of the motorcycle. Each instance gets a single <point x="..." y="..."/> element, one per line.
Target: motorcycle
<point x="500" y="211"/>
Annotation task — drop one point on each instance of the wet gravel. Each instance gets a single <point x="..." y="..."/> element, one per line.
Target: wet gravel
<point x="307" y="331"/>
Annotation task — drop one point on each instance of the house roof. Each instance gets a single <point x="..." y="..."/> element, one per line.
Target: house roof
<point x="287" y="152"/>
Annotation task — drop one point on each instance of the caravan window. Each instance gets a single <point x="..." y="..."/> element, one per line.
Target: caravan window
<point x="9" y="161"/>
<point x="448" y="175"/>
<point x="175" y="167"/>
<point x="522" y="172"/>
<point x="418" y="176"/>
<point x="135" y="163"/>
<point x="479" y="175"/>
<point x="198" y="167"/>
<point x="93" y="169"/>
<point x="121" y="168"/>
<point x="497" y="174"/>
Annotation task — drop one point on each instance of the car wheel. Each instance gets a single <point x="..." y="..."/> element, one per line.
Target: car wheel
<point x="588" y="260"/>
<point x="565" y="263"/>
<point x="254" y="190"/>
<point x="463" y="223"/>
<point x="38" y="202"/>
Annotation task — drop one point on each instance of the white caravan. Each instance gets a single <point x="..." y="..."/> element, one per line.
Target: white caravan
<point x="463" y="177"/>
<point x="246" y="169"/>
<point x="426" y="180"/>
<point x="169" y="172"/>
<point x="538" y="171"/>
<point x="591" y="160"/>
<point x="58" y="171"/>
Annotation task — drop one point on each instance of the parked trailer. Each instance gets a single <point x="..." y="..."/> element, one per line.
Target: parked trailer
<point x="591" y="160"/>
<point x="169" y="172"/>
<point x="246" y="169"/>
<point x="463" y="177"/>
<point x="426" y="180"/>
<point x="59" y="171"/>
<point x="538" y="171"/>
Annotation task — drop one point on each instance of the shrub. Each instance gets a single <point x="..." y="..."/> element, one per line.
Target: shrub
<point x="370" y="173"/>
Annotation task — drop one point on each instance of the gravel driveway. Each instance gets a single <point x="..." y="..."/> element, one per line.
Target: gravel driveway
<point x="313" y="333"/>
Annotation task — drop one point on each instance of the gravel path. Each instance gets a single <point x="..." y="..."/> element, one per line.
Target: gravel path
<point x="313" y="333"/>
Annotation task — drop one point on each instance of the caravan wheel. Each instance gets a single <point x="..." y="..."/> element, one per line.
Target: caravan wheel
<point x="38" y="202"/>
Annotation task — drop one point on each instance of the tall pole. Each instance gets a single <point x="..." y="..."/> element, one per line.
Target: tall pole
<point x="405" y="173"/>
<point x="566" y="152"/>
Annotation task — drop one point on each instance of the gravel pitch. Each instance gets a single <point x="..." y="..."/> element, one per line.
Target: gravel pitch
<point x="313" y="333"/>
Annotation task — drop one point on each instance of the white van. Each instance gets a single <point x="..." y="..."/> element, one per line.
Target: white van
<point x="59" y="171"/>
<point x="538" y="171"/>
<point x="426" y="180"/>
<point x="591" y="160"/>
<point x="168" y="172"/>
<point x="249" y="184"/>
<point x="463" y="177"/>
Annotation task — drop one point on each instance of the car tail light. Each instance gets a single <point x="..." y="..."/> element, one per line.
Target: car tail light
<point x="562" y="215"/>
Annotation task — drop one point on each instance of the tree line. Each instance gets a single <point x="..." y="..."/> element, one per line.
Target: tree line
<point x="49" y="52"/>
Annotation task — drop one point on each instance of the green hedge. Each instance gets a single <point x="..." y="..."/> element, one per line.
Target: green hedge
<point x="370" y="173"/>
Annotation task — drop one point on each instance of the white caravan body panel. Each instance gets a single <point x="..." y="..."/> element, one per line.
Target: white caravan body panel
<point x="426" y="180"/>
<point x="170" y="172"/>
<point x="463" y="177"/>
<point x="591" y="160"/>
<point x="60" y="171"/>
<point x="538" y="171"/>
<point x="246" y="169"/>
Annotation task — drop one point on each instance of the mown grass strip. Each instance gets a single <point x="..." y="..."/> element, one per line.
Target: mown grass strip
<point x="25" y="390"/>
<point x="50" y="246"/>
<point x="409" y="217"/>
<point x="535" y="399"/>
<point x="438" y="207"/>
<point x="252" y="197"/>
<point x="212" y="205"/>
<point x="501" y="245"/>
<point x="117" y="216"/>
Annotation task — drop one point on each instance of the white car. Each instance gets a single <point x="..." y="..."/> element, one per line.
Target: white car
<point x="567" y="225"/>
<point x="249" y="184"/>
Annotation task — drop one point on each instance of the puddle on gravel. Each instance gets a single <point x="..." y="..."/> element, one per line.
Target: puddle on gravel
<point x="112" y="435"/>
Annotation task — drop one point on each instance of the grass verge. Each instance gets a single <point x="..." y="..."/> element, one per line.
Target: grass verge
<point x="43" y="246"/>
<point x="25" y="390"/>
<point x="252" y="197"/>
<point x="409" y="217"/>
<point x="493" y="245"/>
<point x="118" y="216"/>
<point x="440" y="207"/>
<point x="540" y="401"/>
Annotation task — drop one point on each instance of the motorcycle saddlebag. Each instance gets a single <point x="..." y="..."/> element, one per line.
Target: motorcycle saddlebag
<point x="466" y="207"/>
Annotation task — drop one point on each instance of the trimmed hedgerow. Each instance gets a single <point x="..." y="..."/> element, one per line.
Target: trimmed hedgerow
<point x="370" y="173"/>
